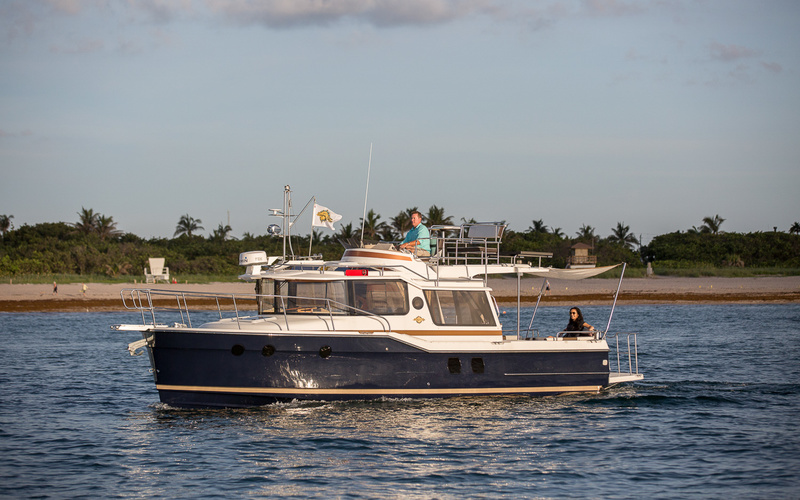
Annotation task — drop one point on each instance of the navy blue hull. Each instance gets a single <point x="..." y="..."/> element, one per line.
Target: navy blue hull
<point x="240" y="370"/>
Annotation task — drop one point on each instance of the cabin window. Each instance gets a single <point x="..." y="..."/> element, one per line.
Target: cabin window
<point x="311" y="297"/>
<point x="460" y="307"/>
<point x="266" y="305"/>
<point x="384" y="297"/>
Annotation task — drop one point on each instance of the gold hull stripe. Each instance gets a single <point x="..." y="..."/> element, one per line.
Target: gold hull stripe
<point x="366" y="392"/>
<point x="375" y="255"/>
<point x="443" y="333"/>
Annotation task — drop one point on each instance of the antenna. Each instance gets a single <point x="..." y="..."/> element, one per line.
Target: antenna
<point x="364" y="218"/>
<point x="311" y="236"/>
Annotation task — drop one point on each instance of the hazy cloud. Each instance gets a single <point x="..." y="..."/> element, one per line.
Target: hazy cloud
<point x="23" y="16"/>
<point x="24" y="133"/>
<point x="78" y="47"/>
<point x="772" y="66"/>
<point x="728" y="53"/>
<point x="612" y="7"/>
<point x="383" y="13"/>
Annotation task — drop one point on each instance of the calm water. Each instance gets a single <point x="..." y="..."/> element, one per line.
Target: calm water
<point x="717" y="417"/>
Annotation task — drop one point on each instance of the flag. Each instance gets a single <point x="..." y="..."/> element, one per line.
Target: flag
<point x="324" y="217"/>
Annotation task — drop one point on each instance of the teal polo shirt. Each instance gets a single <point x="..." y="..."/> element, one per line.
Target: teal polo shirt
<point x="422" y="234"/>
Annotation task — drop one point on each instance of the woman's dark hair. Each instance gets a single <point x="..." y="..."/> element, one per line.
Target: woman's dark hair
<point x="577" y="323"/>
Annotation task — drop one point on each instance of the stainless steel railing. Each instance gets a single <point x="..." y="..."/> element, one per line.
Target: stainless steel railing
<point x="629" y="349"/>
<point x="150" y="302"/>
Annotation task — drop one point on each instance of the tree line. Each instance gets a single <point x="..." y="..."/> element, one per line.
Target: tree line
<point x="93" y="245"/>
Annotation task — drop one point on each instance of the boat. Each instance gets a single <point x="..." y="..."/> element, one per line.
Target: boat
<point x="377" y="323"/>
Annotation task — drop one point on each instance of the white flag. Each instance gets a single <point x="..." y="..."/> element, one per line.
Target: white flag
<point x="324" y="217"/>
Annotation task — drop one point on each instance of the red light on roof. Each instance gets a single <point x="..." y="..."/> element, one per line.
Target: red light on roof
<point x="356" y="272"/>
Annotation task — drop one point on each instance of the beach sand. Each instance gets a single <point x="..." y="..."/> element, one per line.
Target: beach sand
<point x="657" y="290"/>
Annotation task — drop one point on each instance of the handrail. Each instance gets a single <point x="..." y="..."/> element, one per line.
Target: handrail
<point x="142" y="299"/>
<point x="464" y="243"/>
<point x="631" y="351"/>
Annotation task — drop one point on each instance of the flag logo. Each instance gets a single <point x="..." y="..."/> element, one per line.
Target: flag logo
<point x="324" y="217"/>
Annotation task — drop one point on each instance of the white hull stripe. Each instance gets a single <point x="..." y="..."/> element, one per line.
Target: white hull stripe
<point x="356" y="392"/>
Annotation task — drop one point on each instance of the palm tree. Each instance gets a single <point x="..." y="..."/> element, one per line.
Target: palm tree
<point x="373" y="228"/>
<point x="346" y="231"/>
<point x="116" y="269"/>
<point x="795" y="229"/>
<point x="623" y="236"/>
<point x="106" y="227"/>
<point x="556" y="231"/>
<point x="319" y="236"/>
<point x="87" y="221"/>
<point x="6" y="225"/>
<point x="221" y="233"/>
<point x="711" y="224"/>
<point x="538" y="227"/>
<point x="187" y="225"/>
<point x="436" y="217"/>
<point x="586" y="233"/>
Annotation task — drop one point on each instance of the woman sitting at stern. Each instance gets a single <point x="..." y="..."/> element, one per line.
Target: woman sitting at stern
<point x="576" y="324"/>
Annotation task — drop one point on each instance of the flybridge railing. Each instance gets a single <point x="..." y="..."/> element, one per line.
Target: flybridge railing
<point x="473" y="243"/>
<point x="151" y="303"/>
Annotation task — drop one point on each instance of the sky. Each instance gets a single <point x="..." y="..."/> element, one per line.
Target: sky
<point x="654" y="113"/>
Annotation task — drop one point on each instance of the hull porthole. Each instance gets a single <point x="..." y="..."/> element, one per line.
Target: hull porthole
<point x="237" y="350"/>
<point x="325" y="351"/>
<point x="268" y="350"/>
<point x="454" y="365"/>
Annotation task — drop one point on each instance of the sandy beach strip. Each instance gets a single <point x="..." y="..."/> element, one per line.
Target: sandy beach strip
<point x="657" y="290"/>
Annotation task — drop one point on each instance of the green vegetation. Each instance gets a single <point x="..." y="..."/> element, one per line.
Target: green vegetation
<point x="94" y="250"/>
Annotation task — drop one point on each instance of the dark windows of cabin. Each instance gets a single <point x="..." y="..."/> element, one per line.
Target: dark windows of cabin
<point x="459" y="307"/>
<point x="383" y="297"/>
<point x="266" y="305"/>
<point x="311" y="297"/>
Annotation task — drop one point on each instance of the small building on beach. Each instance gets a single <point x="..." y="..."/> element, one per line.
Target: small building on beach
<point x="579" y="257"/>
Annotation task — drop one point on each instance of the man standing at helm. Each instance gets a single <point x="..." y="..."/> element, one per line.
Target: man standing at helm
<point x="418" y="238"/>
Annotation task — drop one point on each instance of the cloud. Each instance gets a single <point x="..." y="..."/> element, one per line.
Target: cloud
<point x="27" y="16"/>
<point x="79" y="47"/>
<point x="24" y="133"/>
<point x="611" y="7"/>
<point x="772" y="66"/>
<point x="729" y="53"/>
<point x="381" y="13"/>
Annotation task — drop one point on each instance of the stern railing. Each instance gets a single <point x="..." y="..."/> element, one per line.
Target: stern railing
<point x="627" y="348"/>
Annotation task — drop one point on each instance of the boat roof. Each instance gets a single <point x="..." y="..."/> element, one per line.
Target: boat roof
<point x="374" y="263"/>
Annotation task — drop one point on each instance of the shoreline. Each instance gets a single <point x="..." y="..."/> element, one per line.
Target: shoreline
<point x="658" y="290"/>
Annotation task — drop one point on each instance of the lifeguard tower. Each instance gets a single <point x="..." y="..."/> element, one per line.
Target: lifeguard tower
<point x="157" y="271"/>
<point x="580" y="258"/>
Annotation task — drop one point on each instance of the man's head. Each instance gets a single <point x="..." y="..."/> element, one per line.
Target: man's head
<point x="416" y="218"/>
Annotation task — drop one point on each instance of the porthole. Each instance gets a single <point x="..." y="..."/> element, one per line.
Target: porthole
<point x="454" y="365"/>
<point x="417" y="302"/>
<point x="268" y="350"/>
<point x="477" y="365"/>
<point x="237" y="350"/>
<point x="325" y="351"/>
